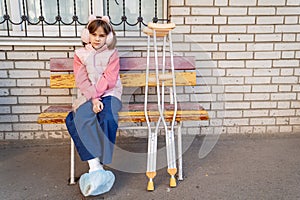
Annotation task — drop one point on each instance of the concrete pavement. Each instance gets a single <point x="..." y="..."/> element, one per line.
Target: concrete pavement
<point x="238" y="167"/>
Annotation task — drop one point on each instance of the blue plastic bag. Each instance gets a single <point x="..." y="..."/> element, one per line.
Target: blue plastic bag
<point x="96" y="182"/>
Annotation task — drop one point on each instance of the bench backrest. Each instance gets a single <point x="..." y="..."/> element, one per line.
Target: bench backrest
<point x="132" y="71"/>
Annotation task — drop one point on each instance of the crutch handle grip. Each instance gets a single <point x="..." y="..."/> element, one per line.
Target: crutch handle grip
<point x="149" y="32"/>
<point x="161" y="27"/>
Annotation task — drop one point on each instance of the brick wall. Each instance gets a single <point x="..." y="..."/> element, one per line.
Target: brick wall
<point x="247" y="65"/>
<point x="248" y="61"/>
<point x="24" y="93"/>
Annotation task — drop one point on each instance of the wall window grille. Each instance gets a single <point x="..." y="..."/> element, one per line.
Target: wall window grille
<point x="66" y="18"/>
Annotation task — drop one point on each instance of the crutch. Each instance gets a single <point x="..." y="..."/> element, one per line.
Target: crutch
<point x="161" y="30"/>
<point x="152" y="136"/>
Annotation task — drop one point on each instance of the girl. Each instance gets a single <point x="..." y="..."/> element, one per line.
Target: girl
<point x="94" y="121"/>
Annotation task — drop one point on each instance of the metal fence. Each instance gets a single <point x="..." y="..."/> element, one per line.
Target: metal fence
<point x="17" y="20"/>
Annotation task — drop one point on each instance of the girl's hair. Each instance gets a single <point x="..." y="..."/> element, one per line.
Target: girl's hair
<point x="108" y="30"/>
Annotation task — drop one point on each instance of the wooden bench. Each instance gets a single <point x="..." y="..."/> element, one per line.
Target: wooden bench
<point x="56" y="114"/>
<point x="132" y="72"/>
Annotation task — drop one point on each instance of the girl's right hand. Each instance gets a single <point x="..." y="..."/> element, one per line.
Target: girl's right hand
<point x="97" y="105"/>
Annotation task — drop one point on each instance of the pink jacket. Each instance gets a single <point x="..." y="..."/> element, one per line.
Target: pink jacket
<point x="97" y="73"/>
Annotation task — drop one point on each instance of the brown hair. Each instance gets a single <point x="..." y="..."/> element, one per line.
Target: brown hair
<point x="94" y="25"/>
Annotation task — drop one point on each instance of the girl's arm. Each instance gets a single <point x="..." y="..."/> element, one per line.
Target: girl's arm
<point x="82" y="80"/>
<point x="110" y="76"/>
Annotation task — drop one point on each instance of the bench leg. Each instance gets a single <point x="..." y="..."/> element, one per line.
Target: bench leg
<point x="179" y="142"/>
<point x="72" y="162"/>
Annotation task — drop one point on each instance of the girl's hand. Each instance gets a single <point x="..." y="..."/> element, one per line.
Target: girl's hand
<point x="97" y="105"/>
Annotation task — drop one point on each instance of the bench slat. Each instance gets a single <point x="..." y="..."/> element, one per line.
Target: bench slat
<point x="128" y="80"/>
<point x="133" y="107"/>
<point x="128" y="63"/>
<point x="59" y="118"/>
<point x="138" y="80"/>
<point x="62" y="81"/>
<point x="61" y="64"/>
<point x="131" y="113"/>
<point x="168" y="118"/>
<point x="168" y="106"/>
<point x="139" y="63"/>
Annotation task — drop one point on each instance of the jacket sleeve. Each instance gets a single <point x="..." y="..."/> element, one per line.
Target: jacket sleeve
<point x="110" y="76"/>
<point x="82" y="80"/>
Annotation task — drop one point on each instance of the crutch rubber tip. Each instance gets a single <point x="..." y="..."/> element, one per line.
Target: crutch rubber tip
<point x="150" y="186"/>
<point x="151" y="176"/>
<point x="173" y="182"/>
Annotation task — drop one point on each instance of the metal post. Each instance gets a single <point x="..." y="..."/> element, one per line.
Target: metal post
<point x="72" y="168"/>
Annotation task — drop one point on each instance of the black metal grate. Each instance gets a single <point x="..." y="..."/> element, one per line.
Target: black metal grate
<point x="25" y="23"/>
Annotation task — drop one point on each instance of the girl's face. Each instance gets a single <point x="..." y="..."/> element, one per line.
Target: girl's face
<point x="98" y="38"/>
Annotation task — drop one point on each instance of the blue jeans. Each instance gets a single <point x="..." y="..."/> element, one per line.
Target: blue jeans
<point x="94" y="135"/>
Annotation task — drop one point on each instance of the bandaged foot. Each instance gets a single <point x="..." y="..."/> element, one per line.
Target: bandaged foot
<point x="96" y="182"/>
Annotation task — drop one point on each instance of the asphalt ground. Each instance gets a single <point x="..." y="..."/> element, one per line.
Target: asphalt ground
<point x="237" y="167"/>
